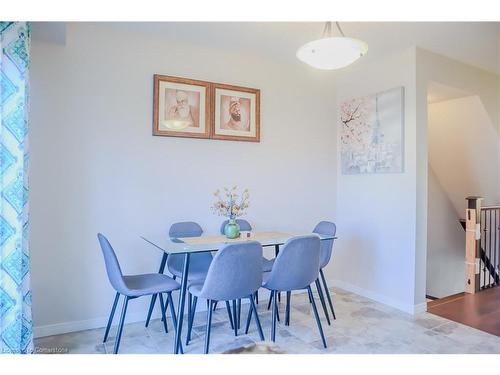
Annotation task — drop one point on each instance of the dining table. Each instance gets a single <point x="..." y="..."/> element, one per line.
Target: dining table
<point x="192" y="245"/>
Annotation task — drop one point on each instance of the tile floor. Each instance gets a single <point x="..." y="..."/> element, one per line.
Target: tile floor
<point x="362" y="326"/>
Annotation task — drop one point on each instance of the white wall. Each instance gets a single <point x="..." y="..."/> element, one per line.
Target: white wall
<point x="375" y="255"/>
<point x="431" y="67"/>
<point x="463" y="161"/>
<point x="463" y="151"/>
<point x="449" y="72"/>
<point x="96" y="167"/>
<point x="445" y="243"/>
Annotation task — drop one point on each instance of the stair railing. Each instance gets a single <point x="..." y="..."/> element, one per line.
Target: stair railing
<point x="482" y="245"/>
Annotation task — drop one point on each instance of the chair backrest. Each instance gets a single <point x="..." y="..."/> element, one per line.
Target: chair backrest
<point x="113" y="269"/>
<point x="179" y="230"/>
<point x="235" y="272"/>
<point x="185" y="229"/>
<point x="244" y="225"/>
<point x="326" y="228"/>
<point x="297" y="264"/>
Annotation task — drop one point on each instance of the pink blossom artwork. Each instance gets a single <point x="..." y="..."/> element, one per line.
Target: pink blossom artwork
<point x="371" y="134"/>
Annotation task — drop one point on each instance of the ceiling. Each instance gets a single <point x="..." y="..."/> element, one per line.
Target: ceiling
<point x="475" y="43"/>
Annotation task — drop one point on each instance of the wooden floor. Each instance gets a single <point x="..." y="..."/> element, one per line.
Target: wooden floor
<point x="481" y="310"/>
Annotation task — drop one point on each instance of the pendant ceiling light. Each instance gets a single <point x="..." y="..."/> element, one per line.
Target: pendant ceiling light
<point x="331" y="52"/>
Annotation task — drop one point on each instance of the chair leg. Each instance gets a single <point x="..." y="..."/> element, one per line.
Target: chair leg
<point x="322" y="299"/>
<point x="209" y="325"/>
<point x="228" y="308"/>
<point x="190" y="304"/>
<point x="271" y="297"/>
<point x="249" y="318"/>
<point x="215" y="305"/>
<point x="170" y="303"/>
<point x="239" y="312"/>
<point x="327" y="292"/>
<point x="151" y="306"/>
<point x="163" y="316"/>
<point x="270" y="301"/>
<point x="120" y="326"/>
<point x="315" y="310"/>
<point x="276" y="252"/>
<point x="277" y="307"/>
<point x="111" y="315"/>
<point x="166" y="306"/>
<point x="153" y="297"/>
<point x="191" y="320"/>
<point x="257" y="297"/>
<point x="274" y="314"/>
<point x="287" y="312"/>
<point x="235" y="318"/>
<point x="257" y="320"/>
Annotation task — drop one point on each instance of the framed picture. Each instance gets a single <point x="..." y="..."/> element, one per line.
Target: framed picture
<point x="181" y="107"/>
<point x="372" y="133"/>
<point x="236" y="113"/>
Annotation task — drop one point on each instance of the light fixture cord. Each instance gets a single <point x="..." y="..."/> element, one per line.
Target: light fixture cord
<point x="327" y="31"/>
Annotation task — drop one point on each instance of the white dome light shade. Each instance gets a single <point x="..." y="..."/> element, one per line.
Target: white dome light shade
<point x="332" y="53"/>
<point x="176" y="124"/>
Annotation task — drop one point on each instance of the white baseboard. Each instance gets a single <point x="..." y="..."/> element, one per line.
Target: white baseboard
<point x="410" y="309"/>
<point x="420" y="308"/>
<point x="82" y="325"/>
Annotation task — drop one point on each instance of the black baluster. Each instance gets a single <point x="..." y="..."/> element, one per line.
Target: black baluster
<point x="483" y="246"/>
<point x="489" y="247"/>
<point x="494" y="260"/>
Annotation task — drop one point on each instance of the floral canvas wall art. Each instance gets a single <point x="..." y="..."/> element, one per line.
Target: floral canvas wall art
<point x="371" y="134"/>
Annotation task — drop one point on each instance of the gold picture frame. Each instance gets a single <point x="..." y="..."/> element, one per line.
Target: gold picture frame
<point x="181" y="107"/>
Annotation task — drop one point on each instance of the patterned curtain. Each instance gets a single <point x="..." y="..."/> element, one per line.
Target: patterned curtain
<point x="15" y="294"/>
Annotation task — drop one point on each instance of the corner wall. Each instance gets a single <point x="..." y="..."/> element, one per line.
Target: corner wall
<point x="445" y="244"/>
<point x="375" y="253"/>
<point x="446" y="71"/>
<point x="463" y="149"/>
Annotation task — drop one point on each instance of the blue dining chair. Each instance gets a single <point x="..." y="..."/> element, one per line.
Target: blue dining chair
<point x="132" y="287"/>
<point x="267" y="264"/>
<point x="326" y="228"/>
<point x="175" y="263"/>
<point x="235" y="273"/>
<point x="199" y="263"/>
<point x="296" y="267"/>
